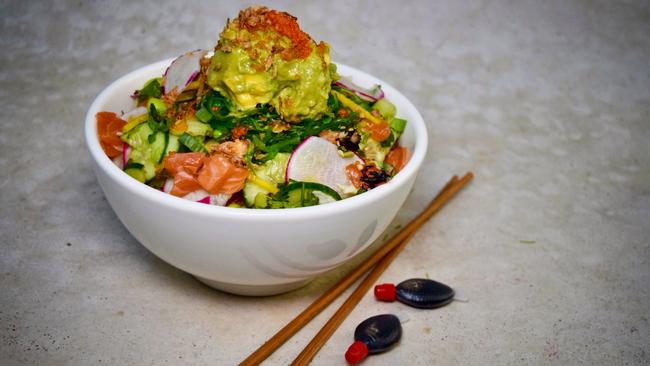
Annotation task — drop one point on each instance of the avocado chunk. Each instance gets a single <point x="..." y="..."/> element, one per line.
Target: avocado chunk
<point x="145" y="150"/>
<point x="263" y="57"/>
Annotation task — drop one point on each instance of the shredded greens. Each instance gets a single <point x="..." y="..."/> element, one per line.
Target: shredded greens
<point x="269" y="135"/>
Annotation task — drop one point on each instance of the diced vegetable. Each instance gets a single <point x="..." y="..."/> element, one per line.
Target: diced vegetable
<point x="172" y="144"/>
<point x="385" y="108"/>
<point x="196" y="128"/>
<point x="318" y="160"/>
<point x="137" y="174"/>
<point x="191" y="142"/>
<point x="160" y="106"/>
<point x="265" y="178"/>
<point x="182" y="71"/>
<point x="134" y="118"/>
<point x="355" y="107"/>
<point x="373" y="94"/>
<point x="148" y="147"/>
<point x="151" y="89"/>
<point x="398" y="124"/>
<point x="300" y="194"/>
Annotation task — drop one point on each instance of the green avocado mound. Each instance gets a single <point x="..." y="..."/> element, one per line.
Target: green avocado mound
<point x="264" y="57"/>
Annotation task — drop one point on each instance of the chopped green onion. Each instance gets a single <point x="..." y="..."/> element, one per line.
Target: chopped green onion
<point x="203" y="115"/>
<point x="192" y="143"/>
<point x="196" y="128"/>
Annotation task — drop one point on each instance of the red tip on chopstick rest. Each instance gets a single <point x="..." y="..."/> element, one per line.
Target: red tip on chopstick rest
<point x="374" y="335"/>
<point x="385" y="292"/>
<point x="417" y="292"/>
<point x="356" y="352"/>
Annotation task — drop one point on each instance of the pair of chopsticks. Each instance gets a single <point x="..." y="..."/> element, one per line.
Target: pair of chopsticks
<point x="381" y="259"/>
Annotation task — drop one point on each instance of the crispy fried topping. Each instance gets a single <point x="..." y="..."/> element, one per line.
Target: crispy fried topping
<point x="259" y="18"/>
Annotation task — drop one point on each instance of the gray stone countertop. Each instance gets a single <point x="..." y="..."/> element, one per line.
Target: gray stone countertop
<point x="547" y="102"/>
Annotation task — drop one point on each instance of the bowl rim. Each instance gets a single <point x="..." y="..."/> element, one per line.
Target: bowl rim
<point x="104" y="163"/>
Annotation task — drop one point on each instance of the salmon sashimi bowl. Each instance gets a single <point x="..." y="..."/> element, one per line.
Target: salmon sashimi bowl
<point x="263" y="121"/>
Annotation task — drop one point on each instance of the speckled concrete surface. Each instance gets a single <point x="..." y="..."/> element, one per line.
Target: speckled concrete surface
<point x="548" y="103"/>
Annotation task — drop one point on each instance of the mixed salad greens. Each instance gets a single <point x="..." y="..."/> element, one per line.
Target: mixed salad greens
<point x="264" y="121"/>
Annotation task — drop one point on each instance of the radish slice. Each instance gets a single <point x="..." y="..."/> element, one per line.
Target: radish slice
<point x="118" y="161"/>
<point x="126" y="150"/>
<point x="219" y="199"/>
<point x="203" y="196"/>
<point x="167" y="187"/>
<point x="205" y="200"/>
<point x="123" y="158"/>
<point x="182" y="71"/>
<point x="198" y="196"/>
<point x="318" y="160"/>
<point x="135" y="112"/>
<point x="372" y="95"/>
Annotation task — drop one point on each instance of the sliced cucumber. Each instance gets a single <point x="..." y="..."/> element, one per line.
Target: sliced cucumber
<point x="302" y="194"/>
<point x="265" y="178"/>
<point x="136" y="173"/>
<point x="385" y="108"/>
<point x="261" y="200"/>
<point x="172" y="144"/>
<point x="251" y="191"/>
<point x="317" y="187"/>
<point x="192" y="143"/>
<point x="196" y="128"/>
<point x="138" y="136"/>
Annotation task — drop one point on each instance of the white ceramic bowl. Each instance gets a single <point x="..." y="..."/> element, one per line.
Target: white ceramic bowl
<point x="247" y="251"/>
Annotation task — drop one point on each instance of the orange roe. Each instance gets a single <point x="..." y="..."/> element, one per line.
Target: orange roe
<point x="287" y="25"/>
<point x="283" y="23"/>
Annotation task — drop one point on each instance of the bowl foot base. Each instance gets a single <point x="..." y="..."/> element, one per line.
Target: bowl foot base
<point x="253" y="290"/>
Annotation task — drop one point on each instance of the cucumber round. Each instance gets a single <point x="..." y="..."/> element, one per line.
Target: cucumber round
<point x="294" y="192"/>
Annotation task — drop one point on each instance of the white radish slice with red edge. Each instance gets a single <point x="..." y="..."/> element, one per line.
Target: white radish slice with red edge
<point x="167" y="187"/>
<point x="126" y="150"/>
<point x="182" y="71"/>
<point x="201" y="196"/>
<point x="220" y="199"/>
<point x="135" y="112"/>
<point x="318" y="160"/>
<point x="123" y="158"/>
<point x="118" y="162"/>
<point x="372" y="95"/>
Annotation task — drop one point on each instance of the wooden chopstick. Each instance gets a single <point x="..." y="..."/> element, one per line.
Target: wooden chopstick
<point x="264" y="351"/>
<point x="308" y="353"/>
